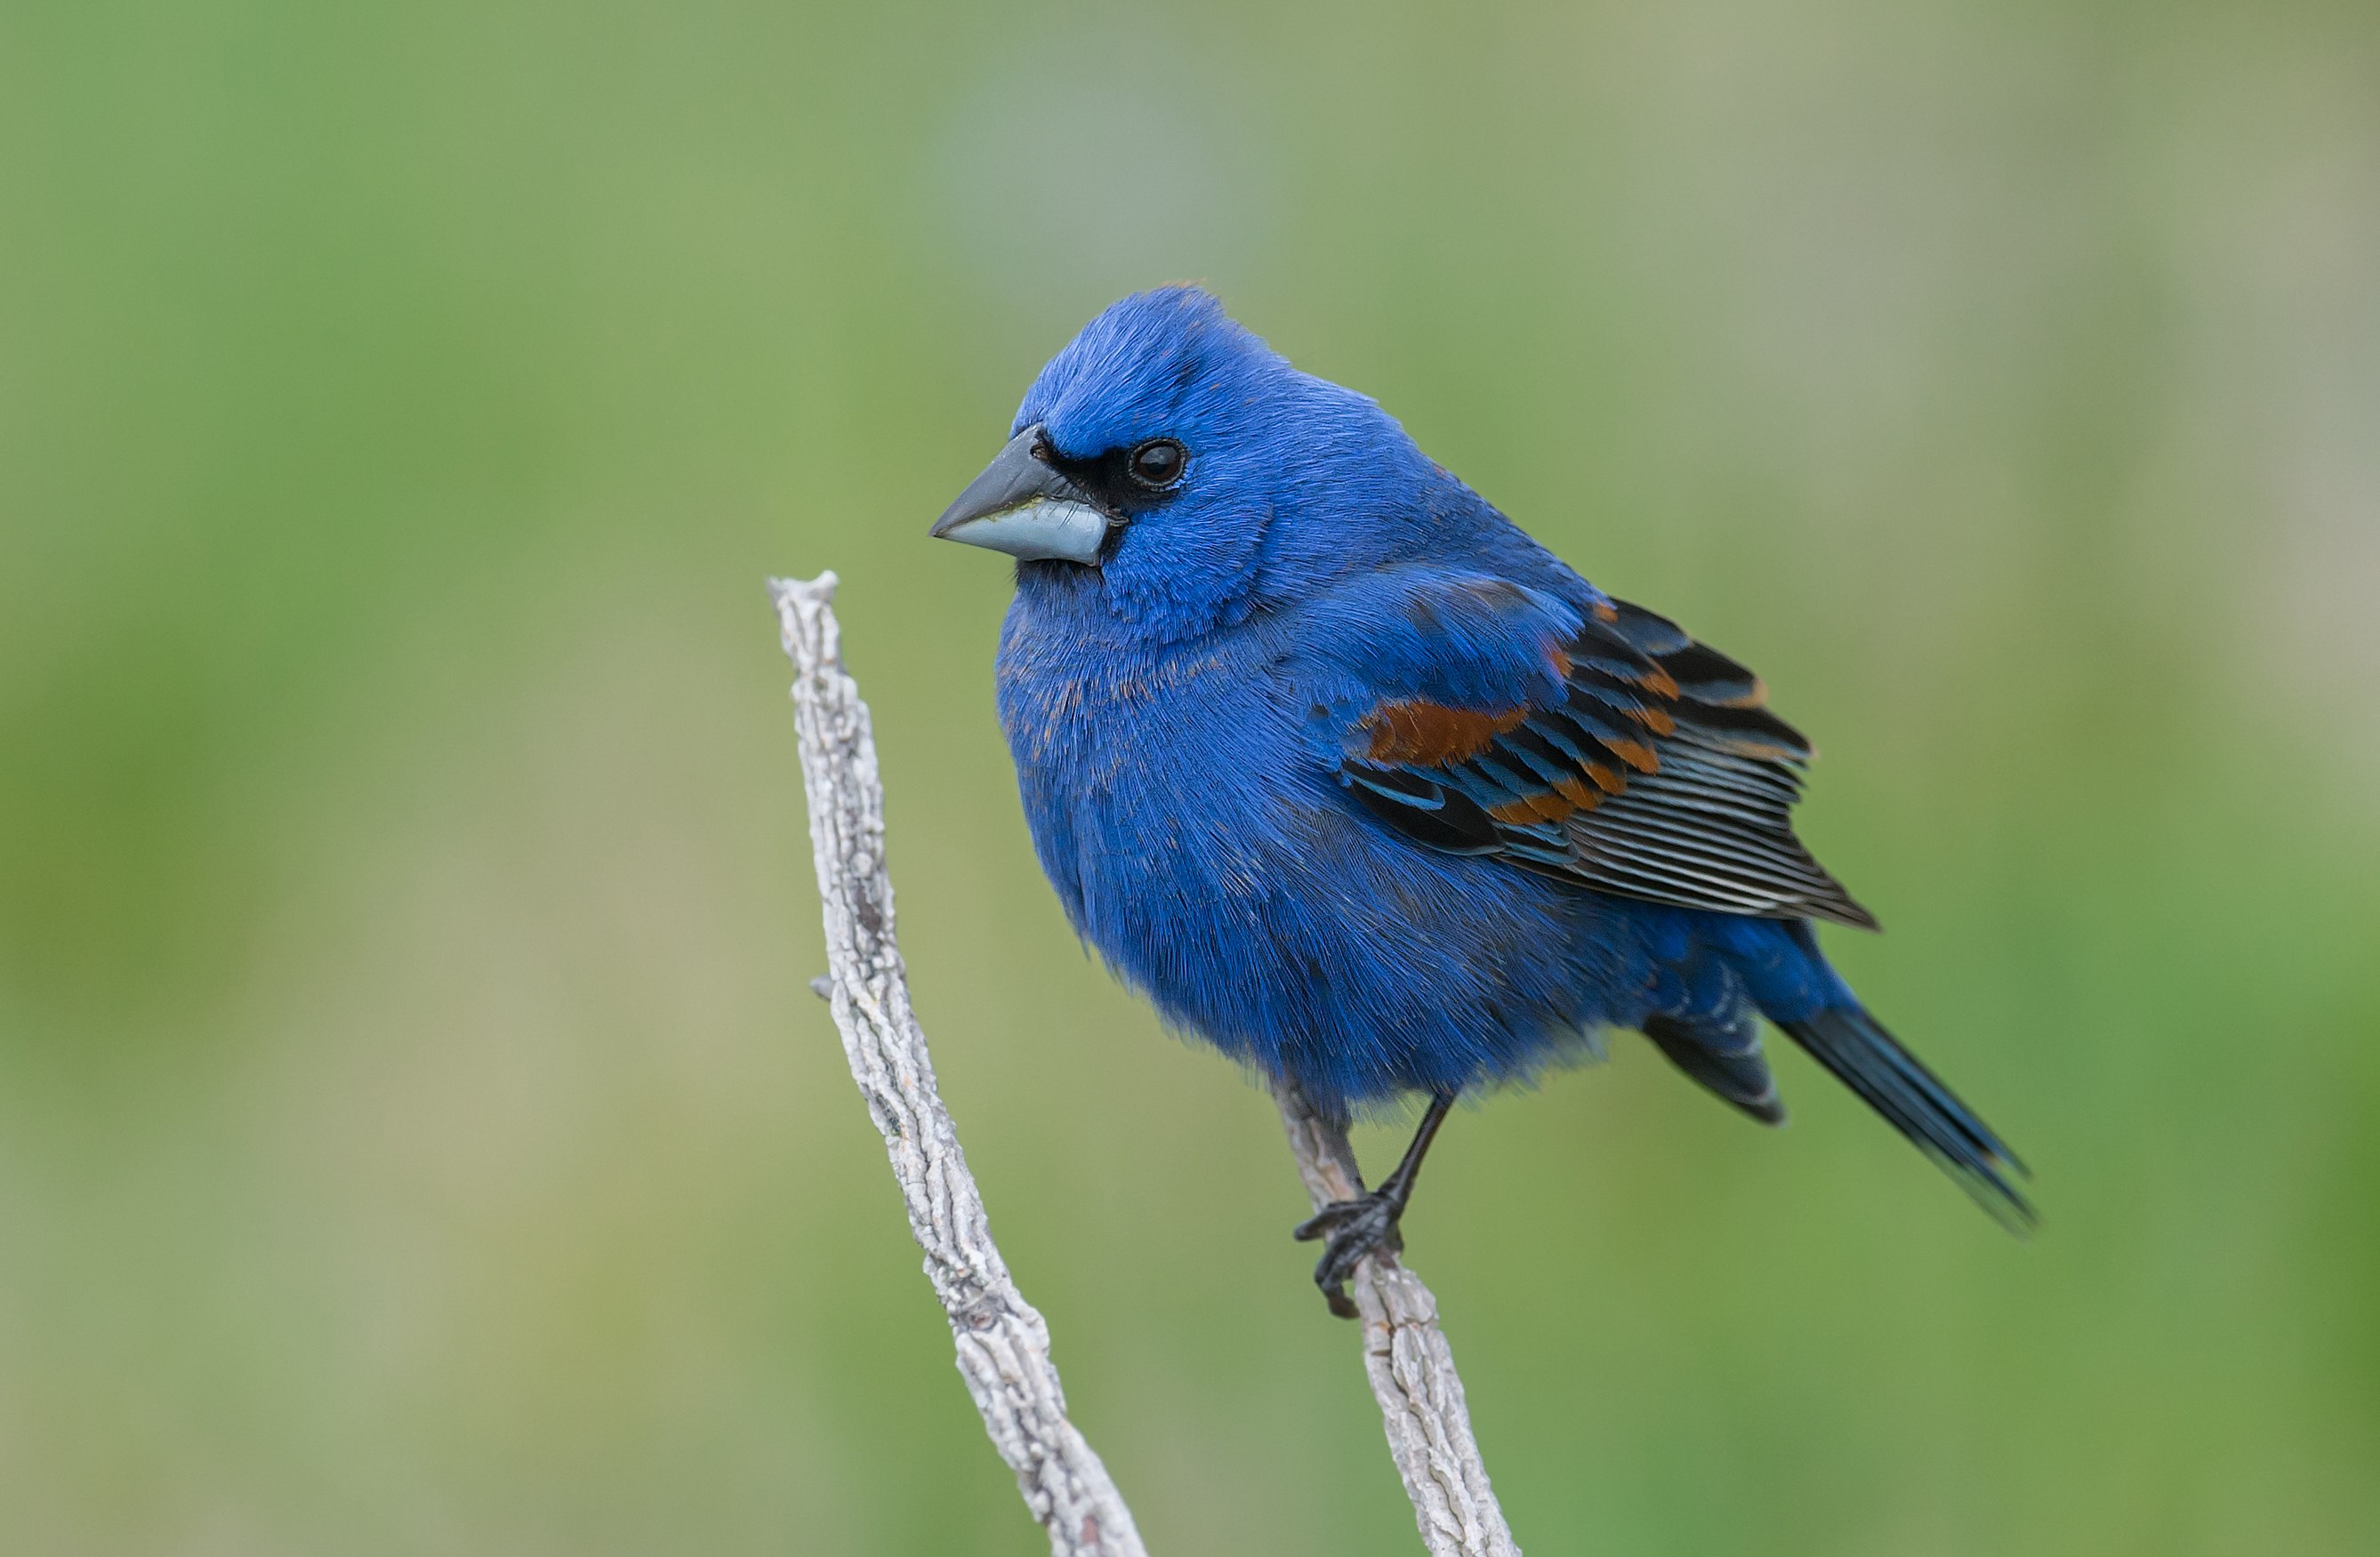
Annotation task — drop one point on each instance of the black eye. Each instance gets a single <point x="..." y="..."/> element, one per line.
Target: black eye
<point x="1157" y="463"/>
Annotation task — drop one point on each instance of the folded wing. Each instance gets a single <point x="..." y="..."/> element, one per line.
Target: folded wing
<point x="1661" y="774"/>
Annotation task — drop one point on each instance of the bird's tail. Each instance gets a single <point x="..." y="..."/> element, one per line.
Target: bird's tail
<point x="1890" y="1080"/>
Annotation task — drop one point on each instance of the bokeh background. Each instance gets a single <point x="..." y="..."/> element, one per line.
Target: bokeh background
<point x="415" y="1134"/>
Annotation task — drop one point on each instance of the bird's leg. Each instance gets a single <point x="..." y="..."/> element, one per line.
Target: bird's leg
<point x="1358" y="1227"/>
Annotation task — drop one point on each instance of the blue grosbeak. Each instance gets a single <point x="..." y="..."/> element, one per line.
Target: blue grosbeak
<point x="1363" y="786"/>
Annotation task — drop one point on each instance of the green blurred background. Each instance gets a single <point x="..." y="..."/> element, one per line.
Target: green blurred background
<point x="415" y="1134"/>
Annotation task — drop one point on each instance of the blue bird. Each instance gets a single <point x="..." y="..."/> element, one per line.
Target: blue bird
<point x="1358" y="783"/>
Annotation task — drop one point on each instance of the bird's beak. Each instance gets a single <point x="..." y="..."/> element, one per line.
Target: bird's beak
<point x="1023" y="505"/>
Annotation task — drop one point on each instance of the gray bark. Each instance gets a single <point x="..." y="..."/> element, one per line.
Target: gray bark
<point x="1003" y="1345"/>
<point x="1408" y="1362"/>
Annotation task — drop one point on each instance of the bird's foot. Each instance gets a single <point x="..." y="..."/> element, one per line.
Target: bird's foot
<point x="1356" y="1228"/>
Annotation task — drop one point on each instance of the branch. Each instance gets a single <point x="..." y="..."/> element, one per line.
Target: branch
<point x="1409" y="1364"/>
<point x="1003" y="1345"/>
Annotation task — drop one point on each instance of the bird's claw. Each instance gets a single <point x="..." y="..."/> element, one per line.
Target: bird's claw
<point x="1356" y="1228"/>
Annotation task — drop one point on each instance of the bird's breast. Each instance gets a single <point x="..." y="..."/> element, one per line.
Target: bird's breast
<point x="1148" y="776"/>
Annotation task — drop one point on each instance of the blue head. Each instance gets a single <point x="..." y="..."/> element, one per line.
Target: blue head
<point x="1171" y="462"/>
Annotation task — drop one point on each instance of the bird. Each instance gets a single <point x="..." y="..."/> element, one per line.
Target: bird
<point x="1358" y="783"/>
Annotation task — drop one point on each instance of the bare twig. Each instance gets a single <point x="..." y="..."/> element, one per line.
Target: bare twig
<point x="1409" y="1363"/>
<point x="1003" y="1345"/>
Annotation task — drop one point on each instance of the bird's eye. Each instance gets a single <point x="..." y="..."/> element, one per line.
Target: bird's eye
<point x="1158" y="463"/>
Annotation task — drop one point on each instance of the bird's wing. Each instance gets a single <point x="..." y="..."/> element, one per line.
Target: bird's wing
<point x="1634" y="760"/>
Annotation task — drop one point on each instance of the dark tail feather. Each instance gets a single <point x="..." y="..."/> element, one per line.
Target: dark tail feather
<point x="1728" y="1061"/>
<point x="1871" y="1062"/>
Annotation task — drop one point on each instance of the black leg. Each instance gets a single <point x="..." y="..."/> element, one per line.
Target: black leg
<point x="1358" y="1227"/>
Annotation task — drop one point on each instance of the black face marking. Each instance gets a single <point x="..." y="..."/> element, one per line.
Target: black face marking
<point x="1125" y="481"/>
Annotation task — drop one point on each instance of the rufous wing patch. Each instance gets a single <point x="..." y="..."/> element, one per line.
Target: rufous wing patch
<point x="1579" y="794"/>
<point x="1429" y="735"/>
<point x="1533" y="808"/>
<point x="1636" y="754"/>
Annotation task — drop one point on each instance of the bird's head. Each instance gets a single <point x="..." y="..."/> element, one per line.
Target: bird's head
<point x="1173" y="460"/>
